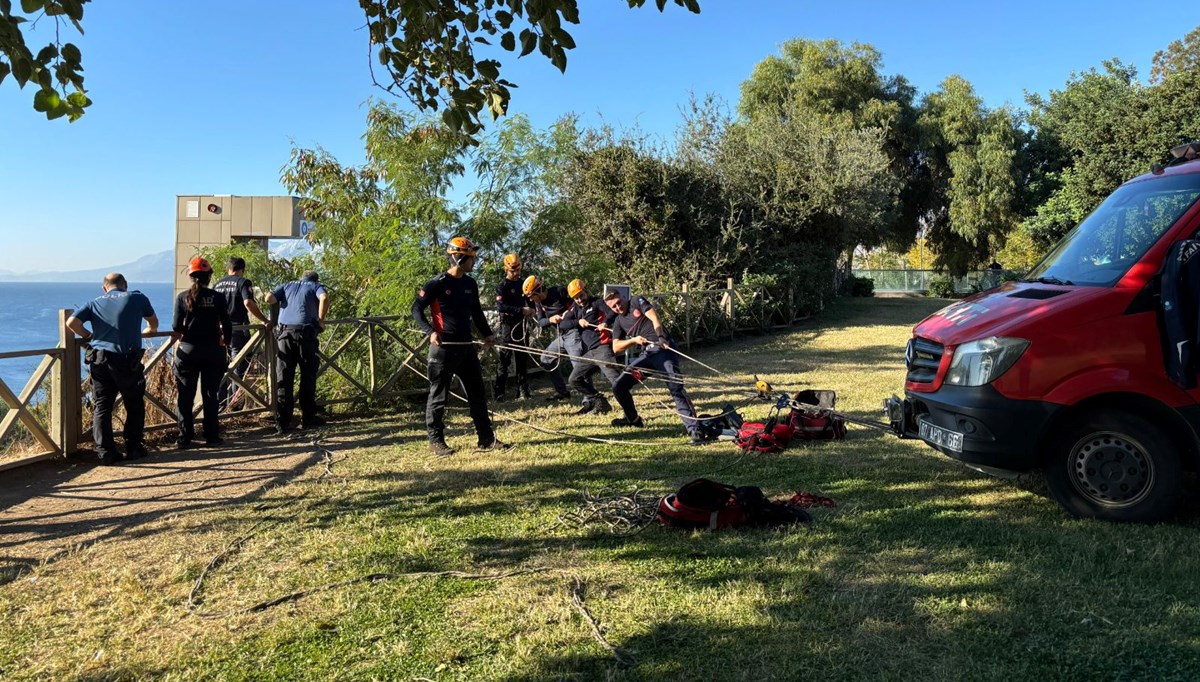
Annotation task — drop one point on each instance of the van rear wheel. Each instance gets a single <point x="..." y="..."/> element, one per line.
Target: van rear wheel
<point x="1116" y="466"/>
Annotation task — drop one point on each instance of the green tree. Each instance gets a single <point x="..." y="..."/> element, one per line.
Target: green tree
<point x="1021" y="252"/>
<point x="1104" y="127"/>
<point x="379" y="226"/>
<point x="1180" y="56"/>
<point x="657" y="223"/>
<point x="1085" y="130"/>
<point x="53" y="67"/>
<point x="970" y="156"/>
<point x="842" y="88"/>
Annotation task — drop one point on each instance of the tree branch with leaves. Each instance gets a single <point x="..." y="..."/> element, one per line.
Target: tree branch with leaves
<point x="439" y="53"/>
<point x="54" y="67"/>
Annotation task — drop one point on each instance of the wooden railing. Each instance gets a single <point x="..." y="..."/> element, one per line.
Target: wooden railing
<point x="369" y="357"/>
<point x="58" y="428"/>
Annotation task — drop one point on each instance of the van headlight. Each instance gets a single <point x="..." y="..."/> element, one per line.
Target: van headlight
<point x="983" y="361"/>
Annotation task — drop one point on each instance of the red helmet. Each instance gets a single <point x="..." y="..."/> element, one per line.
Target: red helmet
<point x="198" y="264"/>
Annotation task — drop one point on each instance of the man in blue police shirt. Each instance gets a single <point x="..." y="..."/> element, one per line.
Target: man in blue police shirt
<point x="114" y="358"/>
<point x="301" y="307"/>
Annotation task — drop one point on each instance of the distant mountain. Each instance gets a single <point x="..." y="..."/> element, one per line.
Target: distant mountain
<point x="156" y="267"/>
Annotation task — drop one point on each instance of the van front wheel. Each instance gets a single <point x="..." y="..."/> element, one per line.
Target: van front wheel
<point x="1116" y="466"/>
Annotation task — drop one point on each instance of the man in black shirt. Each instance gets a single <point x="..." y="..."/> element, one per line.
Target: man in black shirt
<point x="239" y="298"/>
<point x="591" y="316"/>
<point x="513" y="309"/>
<point x="453" y="299"/>
<point x="637" y="327"/>
<point x="550" y="303"/>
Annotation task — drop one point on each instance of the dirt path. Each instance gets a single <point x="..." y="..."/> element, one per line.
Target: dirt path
<point x="52" y="507"/>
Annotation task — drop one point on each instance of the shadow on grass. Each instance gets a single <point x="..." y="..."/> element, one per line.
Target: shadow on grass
<point x="71" y="504"/>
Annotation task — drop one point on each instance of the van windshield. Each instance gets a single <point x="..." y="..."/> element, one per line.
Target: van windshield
<point x="1101" y="249"/>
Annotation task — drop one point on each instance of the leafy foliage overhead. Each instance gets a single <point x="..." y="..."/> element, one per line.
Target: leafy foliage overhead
<point x="54" y="66"/>
<point x="441" y="53"/>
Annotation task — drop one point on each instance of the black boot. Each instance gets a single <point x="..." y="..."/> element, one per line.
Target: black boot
<point x="498" y="393"/>
<point x="588" y="406"/>
<point x="440" y="449"/>
<point x="524" y="391"/>
<point x="623" y="421"/>
<point x="602" y="406"/>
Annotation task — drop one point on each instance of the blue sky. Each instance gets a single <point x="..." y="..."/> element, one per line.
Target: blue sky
<point x="208" y="96"/>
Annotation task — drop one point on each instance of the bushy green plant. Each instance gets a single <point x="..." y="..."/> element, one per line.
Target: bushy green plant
<point x="862" y="287"/>
<point x="941" y="287"/>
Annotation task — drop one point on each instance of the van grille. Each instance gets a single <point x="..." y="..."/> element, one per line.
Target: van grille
<point x="922" y="358"/>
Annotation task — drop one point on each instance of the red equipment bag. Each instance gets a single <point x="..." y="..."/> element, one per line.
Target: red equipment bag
<point x="760" y="437"/>
<point x="816" y="423"/>
<point x="709" y="504"/>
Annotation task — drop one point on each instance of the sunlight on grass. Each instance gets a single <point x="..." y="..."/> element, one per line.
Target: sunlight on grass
<point x="925" y="568"/>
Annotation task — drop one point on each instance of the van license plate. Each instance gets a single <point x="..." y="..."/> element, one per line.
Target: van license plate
<point x="936" y="435"/>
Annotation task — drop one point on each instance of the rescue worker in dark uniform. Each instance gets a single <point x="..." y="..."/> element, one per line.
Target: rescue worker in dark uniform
<point x="550" y="303"/>
<point x="114" y="359"/>
<point x="637" y="327"/>
<point x="453" y="299"/>
<point x="514" y="308"/>
<point x="239" y="298"/>
<point x="591" y="316"/>
<point x="201" y="325"/>
<point x="301" y="307"/>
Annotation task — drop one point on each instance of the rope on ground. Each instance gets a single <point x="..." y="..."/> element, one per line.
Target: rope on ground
<point x="194" y="595"/>
<point x="619" y="654"/>
<point x="623" y="514"/>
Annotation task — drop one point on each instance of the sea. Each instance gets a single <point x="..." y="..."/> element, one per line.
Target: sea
<point x="29" y="318"/>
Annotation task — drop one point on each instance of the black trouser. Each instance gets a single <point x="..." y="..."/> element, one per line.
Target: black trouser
<point x="600" y="359"/>
<point x="445" y="362"/>
<point x="237" y="341"/>
<point x="663" y="361"/>
<point x="512" y="334"/>
<point x="113" y="375"/>
<point x="295" y="347"/>
<point x="203" y="367"/>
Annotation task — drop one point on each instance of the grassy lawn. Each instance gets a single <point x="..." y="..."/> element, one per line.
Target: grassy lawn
<point x="924" y="570"/>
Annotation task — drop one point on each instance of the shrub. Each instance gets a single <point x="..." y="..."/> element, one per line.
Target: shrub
<point x="941" y="287"/>
<point x="863" y="287"/>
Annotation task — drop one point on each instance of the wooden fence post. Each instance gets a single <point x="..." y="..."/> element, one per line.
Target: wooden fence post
<point x="269" y="351"/>
<point x="371" y="356"/>
<point x="65" y="395"/>
<point x="687" y="317"/>
<point x="729" y="305"/>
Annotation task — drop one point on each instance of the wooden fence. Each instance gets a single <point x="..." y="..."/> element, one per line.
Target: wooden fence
<point x="364" y="361"/>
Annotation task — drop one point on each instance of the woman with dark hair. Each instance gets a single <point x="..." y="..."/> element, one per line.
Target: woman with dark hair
<point x="202" y="326"/>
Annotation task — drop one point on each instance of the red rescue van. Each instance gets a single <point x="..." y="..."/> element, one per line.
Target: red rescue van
<point x="1066" y="371"/>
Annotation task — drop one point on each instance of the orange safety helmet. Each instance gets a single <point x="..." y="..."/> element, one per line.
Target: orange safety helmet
<point x="198" y="264"/>
<point x="512" y="262"/>
<point x="461" y="246"/>
<point x="576" y="287"/>
<point x="532" y="284"/>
